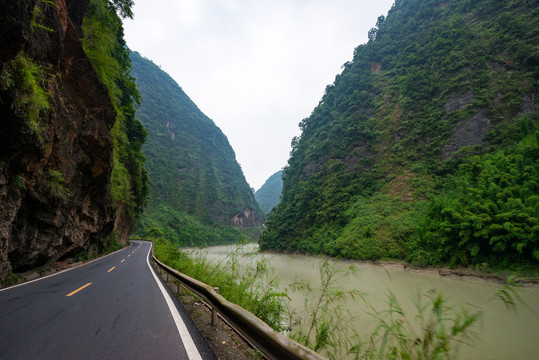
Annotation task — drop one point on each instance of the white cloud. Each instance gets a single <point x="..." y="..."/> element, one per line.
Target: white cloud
<point x="257" y="68"/>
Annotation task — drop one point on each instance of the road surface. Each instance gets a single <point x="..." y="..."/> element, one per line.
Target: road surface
<point x="112" y="308"/>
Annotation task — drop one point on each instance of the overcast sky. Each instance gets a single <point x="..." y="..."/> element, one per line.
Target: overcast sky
<point x="255" y="67"/>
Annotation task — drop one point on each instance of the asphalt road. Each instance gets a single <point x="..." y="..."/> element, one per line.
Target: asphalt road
<point x="112" y="308"/>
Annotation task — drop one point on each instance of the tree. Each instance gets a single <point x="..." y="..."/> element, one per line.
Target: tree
<point x="124" y="7"/>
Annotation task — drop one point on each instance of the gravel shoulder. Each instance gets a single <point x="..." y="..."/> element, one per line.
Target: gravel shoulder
<point x="223" y="340"/>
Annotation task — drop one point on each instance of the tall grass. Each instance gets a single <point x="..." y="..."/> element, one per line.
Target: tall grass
<point x="435" y="329"/>
<point x="248" y="284"/>
<point x="319" y="325"/>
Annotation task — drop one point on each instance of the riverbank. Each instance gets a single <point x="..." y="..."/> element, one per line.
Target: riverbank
<point x="499" y="334"/>
<point x="493" y="276"/>
<point x="500" y="277"/>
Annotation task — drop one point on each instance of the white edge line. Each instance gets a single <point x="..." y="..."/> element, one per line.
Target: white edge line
<point x="190" y="347"/>
<point x="63" y="271"/>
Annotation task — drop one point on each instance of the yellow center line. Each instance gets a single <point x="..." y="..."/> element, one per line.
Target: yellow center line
<point x="79" y="289"/>
<point x="129" y="255"/>
<point x="112" y="268"/>
<point x="122" y="260"/>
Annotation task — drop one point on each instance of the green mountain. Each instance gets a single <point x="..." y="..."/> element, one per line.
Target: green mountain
<point x="425" y="146"/>
<point x="198" y="194"/>
<point x="269" y="194"/>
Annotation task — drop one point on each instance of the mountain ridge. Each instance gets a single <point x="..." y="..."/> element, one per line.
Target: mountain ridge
<point x="269" y="194"/>
<point x="439" y="90"/>
<point x="195" y="177"/>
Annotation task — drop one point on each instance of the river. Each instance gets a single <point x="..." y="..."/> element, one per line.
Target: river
<point x="502" y="333"/>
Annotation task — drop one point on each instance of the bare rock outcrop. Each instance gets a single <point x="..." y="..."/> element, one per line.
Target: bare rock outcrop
<point x="458" y="102"/>
<point x="246" y="218"/>
<point x="467" y="132"/>
<point x="55" y="196"/>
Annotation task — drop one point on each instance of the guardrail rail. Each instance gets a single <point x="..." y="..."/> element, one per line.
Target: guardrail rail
<point x="272" y="344"/>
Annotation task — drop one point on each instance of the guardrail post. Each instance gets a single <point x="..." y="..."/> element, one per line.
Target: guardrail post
<point x="214" y="311"/>
<point x="271" y="344"/>
<point x="179" y="287"/>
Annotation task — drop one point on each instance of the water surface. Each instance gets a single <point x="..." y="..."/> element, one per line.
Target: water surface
<point x="503" y="334"/>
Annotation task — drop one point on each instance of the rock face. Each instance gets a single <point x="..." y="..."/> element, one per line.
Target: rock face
<point x="246" y="219"/>
<point x="467" y="132"/>
<point x="54" y="176"/>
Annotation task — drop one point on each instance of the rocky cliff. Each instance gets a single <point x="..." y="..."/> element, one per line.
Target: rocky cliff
<point x="247" y="218"/>
<point x="55" y="142"/>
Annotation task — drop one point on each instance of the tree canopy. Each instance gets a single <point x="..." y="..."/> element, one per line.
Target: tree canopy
<point x="398" y="158"/>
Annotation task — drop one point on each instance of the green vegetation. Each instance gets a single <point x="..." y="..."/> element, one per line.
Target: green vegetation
<point x="111" y="245"/>
<point x="241" y="281"/>
<point x="10" y="279"/>
<point x="324" y="325"/>
<point x="419" y="149"/>
<point x="437" y="331"/>
<point x="28" y="82"/>
<point x="19" y="182"/>
<point x="487" y="213"/>
<point x="196" y="184"/>
<point x="269" y="194"/>
<point x="104" y="45"/>
<point x="434" y="329"/>
<point x="56" y="184"/>
<point x="186" y="230"/>
<point x="37" y="14"/>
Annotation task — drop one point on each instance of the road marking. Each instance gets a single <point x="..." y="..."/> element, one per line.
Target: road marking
<point x="112" y="268"/>
<point x="63" y="271"/>
<point x="122" y="260"/>
<point x="129" y="255"/>
<point x="187" y="340"/>
<point x="79" y="289"/>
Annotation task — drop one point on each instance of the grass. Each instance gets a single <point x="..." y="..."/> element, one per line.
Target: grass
<point x="56" y="184"/>
<point x="10" y="279"/>
<point x="241" y="281"/>
<point x="19" y="182"/>
<point x="320" y="325"/>
<point x="434" y="329"/>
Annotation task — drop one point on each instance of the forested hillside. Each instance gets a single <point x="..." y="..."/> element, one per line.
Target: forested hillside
<point x="269" y="194"/>
<point x="198" y="193"/>
<point x="426" y="146"/>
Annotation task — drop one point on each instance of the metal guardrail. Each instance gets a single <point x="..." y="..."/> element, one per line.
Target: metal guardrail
<point x="272" y="344"/>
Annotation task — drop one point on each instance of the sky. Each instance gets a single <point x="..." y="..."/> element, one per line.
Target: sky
<point x="255" y="67"/>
